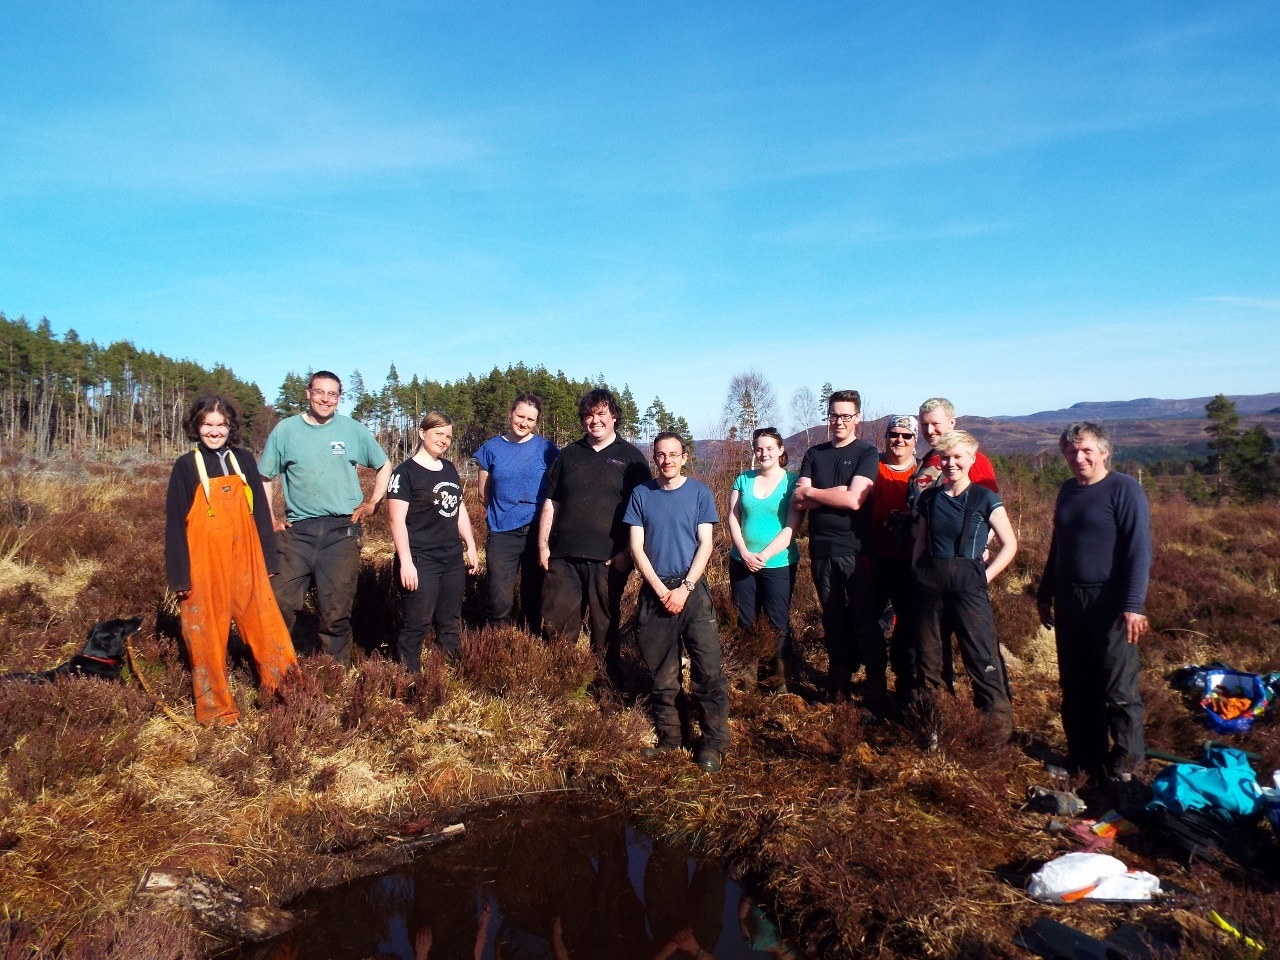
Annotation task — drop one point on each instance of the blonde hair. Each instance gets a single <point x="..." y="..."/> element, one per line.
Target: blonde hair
<point x="957" y="438"/>
<point x="937" y="403"/>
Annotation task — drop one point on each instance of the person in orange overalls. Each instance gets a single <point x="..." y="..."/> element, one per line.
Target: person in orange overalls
<point x="219" y="546"/>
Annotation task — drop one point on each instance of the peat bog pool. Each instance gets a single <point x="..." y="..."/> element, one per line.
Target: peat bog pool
<point x="569" y="878"/>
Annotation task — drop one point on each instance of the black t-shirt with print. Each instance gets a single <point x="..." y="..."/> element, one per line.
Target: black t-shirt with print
<point x="434" y="498"/>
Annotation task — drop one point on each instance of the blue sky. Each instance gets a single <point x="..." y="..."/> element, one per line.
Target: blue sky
<point x="1019" y="206"/>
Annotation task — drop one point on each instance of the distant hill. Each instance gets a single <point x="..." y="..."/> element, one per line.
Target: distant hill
<point x="1145" y="429"/>
<point x="1148" y="408"/>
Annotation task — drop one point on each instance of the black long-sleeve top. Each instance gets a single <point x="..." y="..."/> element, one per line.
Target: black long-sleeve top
<point x="1101" y="534"/>
<point x="184" y="487"/>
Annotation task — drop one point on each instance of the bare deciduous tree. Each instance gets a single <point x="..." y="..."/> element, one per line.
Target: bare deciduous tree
<point x="749" y="403"/>
<point x="804" y="410"/>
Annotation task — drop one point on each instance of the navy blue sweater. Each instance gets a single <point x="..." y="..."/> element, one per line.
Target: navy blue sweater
<point x="1101" y="534"/>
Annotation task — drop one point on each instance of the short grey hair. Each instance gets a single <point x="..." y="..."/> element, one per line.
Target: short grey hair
<point x="1086" y="428"/>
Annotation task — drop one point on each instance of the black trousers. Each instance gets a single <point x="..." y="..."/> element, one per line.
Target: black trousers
<point x="849" y="619"/>
<point x="659" y="634"/>
<point x="956" y="589"/>
<point x="767" y="592"/>
<point x="1098" y="672"/>
<point x="436" y="603"/>
<point x="895" y="585"/>
<point x="326" y="550"/>
<point x="574" y="587"/>
<point x="508" y="554"/>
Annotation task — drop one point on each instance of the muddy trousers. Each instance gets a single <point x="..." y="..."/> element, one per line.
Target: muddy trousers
<point x="954" y="590"/>
<point x="895" y="585"/>
<point x="508" y="553"/>
<point x="229" y="581"/>
<point x="1098" y="672"/>
<point x="436" y="603"/>
<point x="850" y="629"/>
<point x="328" y="550"/>
<point x="574" y="586"/>
<point x="659" y="634"/>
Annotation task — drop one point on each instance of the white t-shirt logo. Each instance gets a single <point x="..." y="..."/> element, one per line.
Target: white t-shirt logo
<point x="448" y="498"/>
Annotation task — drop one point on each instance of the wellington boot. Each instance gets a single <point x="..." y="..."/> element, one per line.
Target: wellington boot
<point x="778" y="675"/>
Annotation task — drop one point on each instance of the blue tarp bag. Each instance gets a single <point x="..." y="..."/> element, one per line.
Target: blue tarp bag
<point x="1226" y="786"/>
<point x="1216" y="684"/>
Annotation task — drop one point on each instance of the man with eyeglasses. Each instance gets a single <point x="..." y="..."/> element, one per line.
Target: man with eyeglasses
<point x="671" y="519"/>
<point x="583" y="543"/>
<point x="892" y="539"/>
<point x="315" y="454"/>
<point x="836" y="479"/>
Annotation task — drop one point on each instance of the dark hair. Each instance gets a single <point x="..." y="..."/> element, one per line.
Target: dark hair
<point x="212" y="403"/>
<point x="1086" y="428"/>
<point x="597" y="397"/>
<point x="324" y="375"/>
<point x="773" y="434"/>
<point x="435" y="418"/>
<point x="532" y="399"/>
<point x="845" y="396"/>
<point x="669" y="435"/>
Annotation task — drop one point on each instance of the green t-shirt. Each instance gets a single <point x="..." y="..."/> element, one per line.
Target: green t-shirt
<point x="764" y="518"/>
<point x="317" y="465"/>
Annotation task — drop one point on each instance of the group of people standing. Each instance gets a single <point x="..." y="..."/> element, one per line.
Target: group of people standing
<point x="893" y="538"/>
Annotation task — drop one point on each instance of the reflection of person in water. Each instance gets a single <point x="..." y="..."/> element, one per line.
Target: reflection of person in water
<point x="758" y="931"/>
<point x="423" y="941"/>
<point x="566" y="888"/>
<point x="684" y="912"/>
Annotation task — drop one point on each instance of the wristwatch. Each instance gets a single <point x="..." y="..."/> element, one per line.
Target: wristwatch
<point x="688" y="585"/>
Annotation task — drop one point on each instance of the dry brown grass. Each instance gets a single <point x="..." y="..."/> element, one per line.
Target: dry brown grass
<point x="866" y="845"/>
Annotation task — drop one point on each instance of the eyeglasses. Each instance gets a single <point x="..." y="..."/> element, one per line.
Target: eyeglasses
<point x="901" y="436"/>
<point x="325" y="394"/>
<point x="841" y="417"/>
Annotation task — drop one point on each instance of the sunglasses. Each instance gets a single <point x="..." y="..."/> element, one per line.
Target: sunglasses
<point x="901" y="436"/>
<point x="756" y="434"/>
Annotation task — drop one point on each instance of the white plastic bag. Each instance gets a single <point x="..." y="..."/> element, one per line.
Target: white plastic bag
<point x="1072" y="876"/>
<point x="1134" y="885"/>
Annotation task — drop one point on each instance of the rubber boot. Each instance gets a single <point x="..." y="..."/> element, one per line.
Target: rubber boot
<point x="779" y="668"/>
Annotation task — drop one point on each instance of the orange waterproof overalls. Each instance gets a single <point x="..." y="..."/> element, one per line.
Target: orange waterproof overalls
<point x="229" y="579"/>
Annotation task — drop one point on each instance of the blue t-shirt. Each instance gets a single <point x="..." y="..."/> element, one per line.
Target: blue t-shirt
<point x="516" y="479"/>
<point x="947" y="533"/>
<point x="670" y="519"/>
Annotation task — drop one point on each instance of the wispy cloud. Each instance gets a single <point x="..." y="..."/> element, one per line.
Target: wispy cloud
<point x="833" y="230"/>
<point x="1255" y="303"/>
<point x="202" y="104"/>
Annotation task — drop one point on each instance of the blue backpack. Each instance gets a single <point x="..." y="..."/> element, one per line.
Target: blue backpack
<point x="1226" y="785"/>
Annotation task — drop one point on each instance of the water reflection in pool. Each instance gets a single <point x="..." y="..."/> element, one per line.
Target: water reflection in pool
<point x="556" y="880"/>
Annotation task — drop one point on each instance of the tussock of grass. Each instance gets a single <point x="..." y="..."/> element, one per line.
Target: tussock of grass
<point x="866" y="845"/>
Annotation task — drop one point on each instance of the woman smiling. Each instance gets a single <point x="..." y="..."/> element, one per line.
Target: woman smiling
<point x="428" y="519"/>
